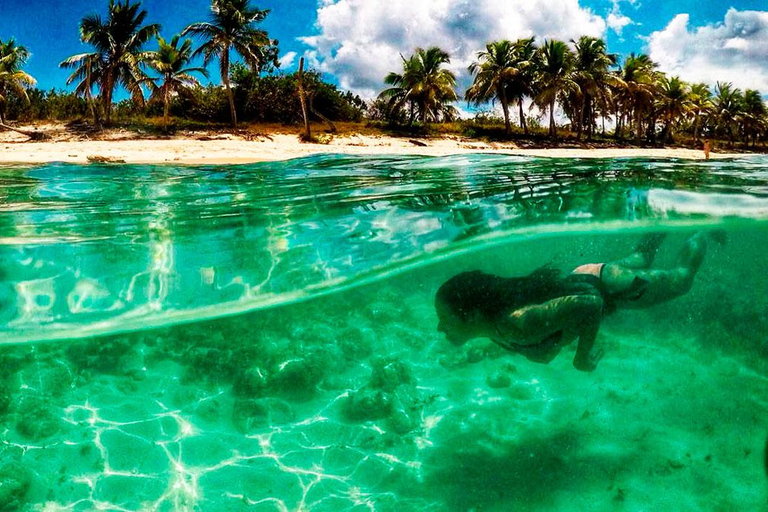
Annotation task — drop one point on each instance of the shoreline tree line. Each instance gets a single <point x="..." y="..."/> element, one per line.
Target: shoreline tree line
<point x="580" y="82"/>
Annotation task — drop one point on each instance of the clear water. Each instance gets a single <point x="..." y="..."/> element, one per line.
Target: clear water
<point x="263" y="337"/>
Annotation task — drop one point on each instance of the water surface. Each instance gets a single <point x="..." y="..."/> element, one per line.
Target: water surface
<point x="262" y="337"/>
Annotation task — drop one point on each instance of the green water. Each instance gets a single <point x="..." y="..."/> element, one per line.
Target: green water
<point x="263" y="338"/>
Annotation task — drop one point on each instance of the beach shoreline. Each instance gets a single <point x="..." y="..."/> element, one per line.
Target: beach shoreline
<point x="193" y="148"/>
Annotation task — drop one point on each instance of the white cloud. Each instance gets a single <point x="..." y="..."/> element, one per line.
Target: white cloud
<point x="617" y="21"/>
<point x="360" y="41"/>
<point x="735" y="50"/>
<point x="287" y="60"/>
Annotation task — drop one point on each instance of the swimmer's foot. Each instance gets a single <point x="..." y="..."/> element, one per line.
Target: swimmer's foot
<point x="649" y="244"/>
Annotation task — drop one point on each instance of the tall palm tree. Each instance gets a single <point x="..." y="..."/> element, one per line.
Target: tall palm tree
<point x="425" y="84"/>
<point x="12" y="78"/>
<point x="521" y="85"/>
<point x="726" y="108"/>
<point x="231" y="26"/>
<point x="673" y="102"/>
<point x="170" y="61"/>
<point x="118" y="41"/>
<point x="700" y="104"/>
<point x="399" y="94"/>
<point x="753" y="115"/>
<point x="592" y="74"/>
<point x="637" y="90"/>
<point x="554" y="77"/>
<point x="87" y="73"/>
<point x="494" y="72"/>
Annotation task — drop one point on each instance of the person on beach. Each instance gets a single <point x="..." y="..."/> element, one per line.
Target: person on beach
<point x="707" y="148"/>
<point x="535" y="316"/>
<point x="539" y="314"/>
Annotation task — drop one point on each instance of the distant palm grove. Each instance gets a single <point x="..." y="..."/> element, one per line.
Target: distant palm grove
<point x="578" y="84"/>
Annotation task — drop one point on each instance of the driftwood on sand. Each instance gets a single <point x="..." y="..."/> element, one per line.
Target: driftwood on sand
<point x="32" y="135"/>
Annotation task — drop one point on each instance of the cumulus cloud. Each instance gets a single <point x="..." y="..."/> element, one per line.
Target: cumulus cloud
<point x="360" y="41"/>
<point x="617" y="20"/>
<point x="287" y="60"/>
<point x="735" y="50"/>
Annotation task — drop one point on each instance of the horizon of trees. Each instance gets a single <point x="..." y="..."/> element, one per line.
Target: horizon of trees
<point x="580" y="78"/>
<point x="589" y="86"/>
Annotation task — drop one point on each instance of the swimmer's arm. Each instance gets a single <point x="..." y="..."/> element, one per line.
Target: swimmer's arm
<point x="575" y="315"/>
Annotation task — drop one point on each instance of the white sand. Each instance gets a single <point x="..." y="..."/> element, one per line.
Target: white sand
<point x="234" y="149"/>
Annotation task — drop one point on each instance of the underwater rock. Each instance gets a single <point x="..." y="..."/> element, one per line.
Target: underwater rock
<point x="384" y="312"/>
<point x="401" y="423"/>
<point x="15" y="479"/>
<point x="297" y="378"/>
<point x="112" y="356"/>
<point x="48" y="376"/>
<point x="498" y="380"/>
<point x="357" y="344"/>
<point x="249" y="415"/>
<point x="36" y="418"/>
<point x="210" y="365"/>
<point x="388" y="373"/>
<point x="250" y="382"/>
<point x="367" y="404"/>
<point x="475" y="354"/>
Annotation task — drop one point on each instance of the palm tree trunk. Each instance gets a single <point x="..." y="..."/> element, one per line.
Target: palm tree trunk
<point x="303" y="101"/>
<point x="696" y="128"/>
<point x="225" y="79"/>
<point x="505" y="108"/>
<point x="166" y="106"/>
<point x="522" y="117"/>
<point x="552" y="128"/>
<point x="108" y="101"/>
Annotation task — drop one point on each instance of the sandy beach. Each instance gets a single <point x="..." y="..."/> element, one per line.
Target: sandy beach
<point x="122" y="146"/>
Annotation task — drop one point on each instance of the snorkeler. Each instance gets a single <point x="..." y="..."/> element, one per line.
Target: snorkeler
<point x="631" y="283"/>
<point x="535" y="316"/>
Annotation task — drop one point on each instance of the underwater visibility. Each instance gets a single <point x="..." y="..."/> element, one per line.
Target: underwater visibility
<point x="265" y="337"/>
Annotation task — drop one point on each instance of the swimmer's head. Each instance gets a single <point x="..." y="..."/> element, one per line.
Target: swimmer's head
<point x="457" y="308"/>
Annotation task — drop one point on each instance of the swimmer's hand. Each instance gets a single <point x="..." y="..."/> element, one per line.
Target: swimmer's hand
<point x="589" y="363"/>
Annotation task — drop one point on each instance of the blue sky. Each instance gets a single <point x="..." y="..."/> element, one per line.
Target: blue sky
<point x="356" y="42"/>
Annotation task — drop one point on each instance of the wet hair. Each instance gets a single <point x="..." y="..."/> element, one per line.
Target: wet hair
<point x="491" y="296"/>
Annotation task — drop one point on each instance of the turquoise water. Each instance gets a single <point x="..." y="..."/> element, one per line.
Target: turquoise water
<point x="263" y="337"/>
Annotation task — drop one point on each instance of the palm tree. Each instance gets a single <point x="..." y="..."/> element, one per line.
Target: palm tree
<point x="591" y="73"/>
<point x="87" y="73"/>
<point x="494" y="72"/>
<point x="398" y="95"/>
<point x="521" y="85"/>
<point x="118" y="55"/>
<point x="726" y="108"/>
<point x="637" y="90"/>
<point x="554" y="77"/>
<point x="425" y="84"/>
<point x="12" y="78"/>
<point x="700" y="104"/>
<point x="672" y="103"/>
<point x="169" y="61"/>
<point x="232" y="27"/>
<point x="753" y="115"/>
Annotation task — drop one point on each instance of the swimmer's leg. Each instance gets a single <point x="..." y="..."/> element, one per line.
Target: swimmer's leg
<point x="656" y="286"/>
<point x="572" y="316"/>
<point x="644" y="253"/>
